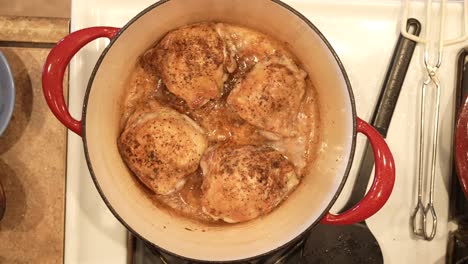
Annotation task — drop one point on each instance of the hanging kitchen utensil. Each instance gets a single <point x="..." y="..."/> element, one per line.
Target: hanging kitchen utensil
<point x="419" y="225"/>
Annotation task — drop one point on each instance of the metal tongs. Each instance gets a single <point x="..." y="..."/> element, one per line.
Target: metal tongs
<point x="419" y="225"/>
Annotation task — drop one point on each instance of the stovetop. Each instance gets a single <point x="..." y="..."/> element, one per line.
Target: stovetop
<point x="363" y="33"/>
<point x="349" y="248"/>
<point x="141" y="253"/>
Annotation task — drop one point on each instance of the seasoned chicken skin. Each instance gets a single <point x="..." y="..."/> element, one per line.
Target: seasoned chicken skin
<point x="242" y="182"/>
<point x="161" y="147"/>
<point x="191" y="62"/>
<point x="143" y="86"/>
<point x="270" y="95"/>
<point x="248" y="44"/>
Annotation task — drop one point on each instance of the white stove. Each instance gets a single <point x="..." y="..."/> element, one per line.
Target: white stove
<point x="363" y="33"/>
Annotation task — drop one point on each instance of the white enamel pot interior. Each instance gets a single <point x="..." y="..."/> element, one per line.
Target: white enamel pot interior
<point x="183" y="237"/>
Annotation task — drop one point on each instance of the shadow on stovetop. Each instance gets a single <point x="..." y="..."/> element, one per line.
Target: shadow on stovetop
<point x="347" y="251"/>
<point x="141" y="253"/>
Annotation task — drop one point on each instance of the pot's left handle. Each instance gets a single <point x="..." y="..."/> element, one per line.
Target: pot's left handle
<point x="54" y="70"/>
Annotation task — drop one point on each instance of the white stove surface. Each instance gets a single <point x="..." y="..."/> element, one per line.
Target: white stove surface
<point x="363" y="32"/>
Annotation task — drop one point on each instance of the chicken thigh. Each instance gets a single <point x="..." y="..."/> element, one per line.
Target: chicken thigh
<point x="192" y="62"/>
<point x="161" y="147"/>
<point x="242" y="182"/>
<point x="250" y="46"/>
<point x="270" y="95"/>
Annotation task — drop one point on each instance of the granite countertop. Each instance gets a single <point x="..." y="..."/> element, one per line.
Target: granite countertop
<point x="33" y="148"/>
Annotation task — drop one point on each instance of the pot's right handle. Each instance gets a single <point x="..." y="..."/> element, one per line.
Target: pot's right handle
<point x="54" y="70"/>
<point x="381" y="188"/>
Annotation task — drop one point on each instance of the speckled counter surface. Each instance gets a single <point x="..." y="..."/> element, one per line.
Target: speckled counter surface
<point x="33" y="149"/>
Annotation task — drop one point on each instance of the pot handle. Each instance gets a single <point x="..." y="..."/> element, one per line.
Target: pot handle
<point x="54" y="70"/>
<point x="381" y="188"/>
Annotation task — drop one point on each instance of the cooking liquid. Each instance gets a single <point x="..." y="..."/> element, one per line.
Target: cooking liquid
<point x="221" y="123"/>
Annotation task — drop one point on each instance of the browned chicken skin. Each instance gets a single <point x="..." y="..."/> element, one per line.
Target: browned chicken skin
<point x="161" y="147"/>
<point x="270" y="95"/>
<point x="191" y="62"/>
<point x="242" y="182"/>
<point x="248" y="44"/>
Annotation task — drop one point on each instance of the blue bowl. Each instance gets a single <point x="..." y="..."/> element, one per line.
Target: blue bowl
<point x="7" y="93"/>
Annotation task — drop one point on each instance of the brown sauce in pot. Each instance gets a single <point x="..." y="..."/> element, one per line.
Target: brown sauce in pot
<point x="222" y="123"/>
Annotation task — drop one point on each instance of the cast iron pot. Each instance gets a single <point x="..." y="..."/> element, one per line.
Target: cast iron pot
<point x="310" y="202"/>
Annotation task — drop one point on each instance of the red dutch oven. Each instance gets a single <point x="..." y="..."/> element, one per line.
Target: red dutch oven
<point x="461" y="146"/>
<point x="310" y="202"/>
